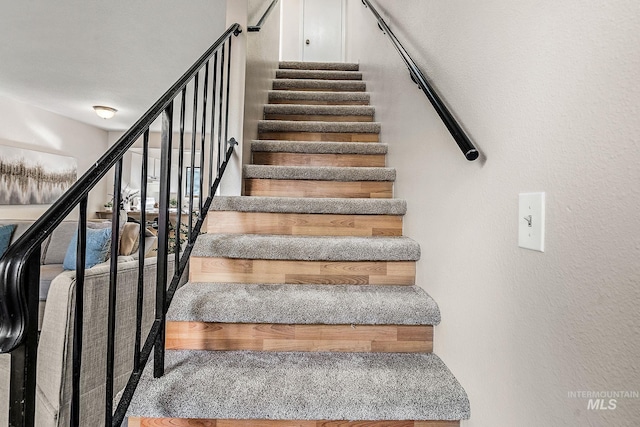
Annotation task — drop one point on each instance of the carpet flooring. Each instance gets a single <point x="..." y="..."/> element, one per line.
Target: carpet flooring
<point x="304" y="304"/>
<point x="310" y="205"/>
<point x="306" y="248"/>
<point x="292" y="386"/>
<point x="312" y="147"/>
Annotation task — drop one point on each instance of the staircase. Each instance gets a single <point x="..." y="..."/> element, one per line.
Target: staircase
<point x="302" y="308"/>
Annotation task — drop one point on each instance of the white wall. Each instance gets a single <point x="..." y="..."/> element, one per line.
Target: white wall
<point x="262" y="61"/>
<point x="291" y="30"/>
<point x="549" y="92"/>
<point x="32" y="128"/>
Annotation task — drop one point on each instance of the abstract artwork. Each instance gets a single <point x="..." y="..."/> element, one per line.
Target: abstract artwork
<point x="30" y="177"/>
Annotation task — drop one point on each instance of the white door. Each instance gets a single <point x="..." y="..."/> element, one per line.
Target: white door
<point x="322" y="33"/>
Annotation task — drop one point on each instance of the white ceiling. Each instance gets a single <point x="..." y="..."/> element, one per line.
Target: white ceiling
<point x="67" y="55"/>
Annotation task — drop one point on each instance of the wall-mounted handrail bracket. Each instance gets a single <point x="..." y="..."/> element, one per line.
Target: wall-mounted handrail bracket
<point x="466" y="146"/>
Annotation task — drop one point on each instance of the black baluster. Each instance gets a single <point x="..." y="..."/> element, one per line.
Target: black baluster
<point x="81" y="251"/>
<point x="226" y="126"/>
<point x="193" y="155"/>
<point x="141" y="249"/>
<point x="180" y="169"/>
<point x="113" y="283"/>
<point x="214" y="91"/>
<point x="163" y="237"/>
<point x="220" y="153"/>
<point x="205" y="90"/>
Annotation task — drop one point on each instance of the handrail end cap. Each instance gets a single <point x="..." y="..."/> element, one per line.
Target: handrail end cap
<point x="472" y="154"/>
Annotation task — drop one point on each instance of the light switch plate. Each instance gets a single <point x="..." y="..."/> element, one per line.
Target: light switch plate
<point x="531" y="221"/>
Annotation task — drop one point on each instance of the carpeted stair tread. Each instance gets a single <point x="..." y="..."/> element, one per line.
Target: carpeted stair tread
<point x="280" y="95"/>
<point x="320" y="173"/>
<point x="310" y="205"/>
<point x="323" y="127"/>
<point x="318" y="74"/>
<point x="306" y="248"/>
<point x="320" y="110"/>
<point x="299" y="65"/>
<point x="315" y="147"/>
<point x="318" y="84"/>
<point x="298" y="386"/>
<point x="304" y="304"/>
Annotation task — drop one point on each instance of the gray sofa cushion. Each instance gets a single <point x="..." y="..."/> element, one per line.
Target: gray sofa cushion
<point x="60" y="239"/>
<point x="48" y="272"/>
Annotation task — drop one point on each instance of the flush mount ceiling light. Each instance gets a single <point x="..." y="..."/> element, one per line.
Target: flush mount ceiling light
<point x="104" y="112"/>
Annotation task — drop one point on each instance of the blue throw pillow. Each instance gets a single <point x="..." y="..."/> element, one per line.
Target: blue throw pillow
<point x="98" y="246"/>
<point x="6" y="231"/>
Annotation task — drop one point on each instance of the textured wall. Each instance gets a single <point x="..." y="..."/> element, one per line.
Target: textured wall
<point x="28" y="127"/>
<point x="549" y="92"/>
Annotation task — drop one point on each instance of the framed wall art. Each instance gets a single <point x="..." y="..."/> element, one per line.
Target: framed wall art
<point x="30" y="177"/>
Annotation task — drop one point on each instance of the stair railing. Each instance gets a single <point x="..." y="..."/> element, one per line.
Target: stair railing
<point x="19" y="267"/>
<point x="458" y="134"/>
<point x="265" y="15"/>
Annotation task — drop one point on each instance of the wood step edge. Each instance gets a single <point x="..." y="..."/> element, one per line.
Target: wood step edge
<point x="242" y="270"/>
<point x="360" y="338"/>
<point x="185" y="422"/>
<point x="303" y="224"/>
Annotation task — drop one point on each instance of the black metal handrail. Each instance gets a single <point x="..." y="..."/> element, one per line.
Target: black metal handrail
<point x="19" y="266"/>
<point x="461" y="138"/>
<point x="265" y="15"/>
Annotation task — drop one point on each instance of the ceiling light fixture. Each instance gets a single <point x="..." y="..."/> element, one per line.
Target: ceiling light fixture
<point x="104" y="112"/>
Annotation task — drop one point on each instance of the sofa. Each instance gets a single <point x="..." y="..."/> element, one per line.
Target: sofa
<point x="54" y="249"/>
<point x="55" y="349"/>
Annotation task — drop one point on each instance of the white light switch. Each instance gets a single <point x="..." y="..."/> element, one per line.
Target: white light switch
<point x="531" y="221"/>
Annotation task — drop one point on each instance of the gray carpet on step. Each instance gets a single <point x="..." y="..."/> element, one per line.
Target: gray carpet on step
<point x="318" y="74"/>
<point x="310" y="205"/>
<point x="321" y="173"/>
<point x="280" y="95"/>
<point x="298" y="386"/>
<point x="344" y="85"/>
<point x="299" y="65"/>
<point x="312" y="147"/>
<point x="304" y="304"/>
<point x="306" y="248"/>
<point x="321" y="110"/>
<point x="303" y="126"/>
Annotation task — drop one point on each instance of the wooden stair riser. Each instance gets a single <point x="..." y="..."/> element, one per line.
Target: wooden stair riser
<point x="316" y="102"/>
<point x="318" y="118"/>
<point x="314" y="188"/>
<point x="183" y="422"/>
<point x="303" y="224"/>
<point x="320" y="136"/>
<point x="304" y="159"/>
<point x="233" y="270"/>
<point x="278" y="337"/>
